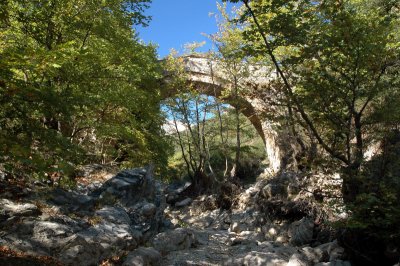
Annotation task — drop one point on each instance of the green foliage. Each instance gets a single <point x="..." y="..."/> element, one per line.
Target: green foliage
<point x="76" y="85"/>
<point x="252" y="148"/>
<point x="343" y="63"/>
<point x="376" y="207"/>
<point x="371" y="232"/>
<point x="337" y="67"/>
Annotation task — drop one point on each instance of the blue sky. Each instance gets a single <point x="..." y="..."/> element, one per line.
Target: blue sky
<point x="176" y="22"/>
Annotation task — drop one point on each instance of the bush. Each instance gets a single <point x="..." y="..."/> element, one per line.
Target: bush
<point x="372" y="233"/>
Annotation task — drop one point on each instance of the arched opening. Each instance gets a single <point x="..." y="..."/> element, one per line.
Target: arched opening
<point x="204" y="132"/>
<point x="206" y="76"/>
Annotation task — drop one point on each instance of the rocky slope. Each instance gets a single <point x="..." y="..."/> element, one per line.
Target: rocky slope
<point x="88" y="226"/>
<point x="129" y="219"/>
<point x="269" y="223"/>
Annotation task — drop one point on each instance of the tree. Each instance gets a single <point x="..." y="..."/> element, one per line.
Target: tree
<point x="231" y="57"/>
<point x="189" y="108"/>
<point x="76" y="85"/>
<point x="337" y="63"/>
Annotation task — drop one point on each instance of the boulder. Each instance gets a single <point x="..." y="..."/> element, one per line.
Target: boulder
<point x="143" y="256"/>
<point x="9" y="209"/>
<point x="77" y="251"/>
<point x="177" y="239"/>
<point x="136" y="191"/>
<point x="299" y="259"/>
<point x="71" y="201"/>
<point x="112" y="229"/>
<point x="301" y="232"/>
<point x="330" y="251"/>
<point x="314" y="255"/>
<point x="148" y="210"/>
<point x="50" y="235"/>
<point x="175" y="192"/>
<point x="127" y="187"/>
<point x="243" y="221"/>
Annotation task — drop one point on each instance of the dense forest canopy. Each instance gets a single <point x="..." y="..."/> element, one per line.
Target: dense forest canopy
<point x="77" y="86"/>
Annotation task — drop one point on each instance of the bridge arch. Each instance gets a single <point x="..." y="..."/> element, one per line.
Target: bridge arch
<point x="207" y="77"/>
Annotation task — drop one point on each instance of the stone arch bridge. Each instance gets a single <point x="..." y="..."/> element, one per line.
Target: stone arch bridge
<point x="210" y="78"/>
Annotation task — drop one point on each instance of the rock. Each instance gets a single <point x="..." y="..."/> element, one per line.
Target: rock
<point x="272" y="233"/>
<point x="266" y="244"/>
<point x="299" y="259"/>
<point x="222" y="221"/>
<point x="76" y="234"/>
<point x="112" y="230"/>
<point x="140" y="195"/>
<point x="200" y="237"/>
<point x="246" y="238"/>
<point x="255" y="258"/>
<point x="334" y="263"/>
<point x="172" y="198"/>
<point x="143" y="257"/>
<point x="335" y="251"/>
<point x="330" y="251"/>
<point x="282" y="239"/>
<point x="115" y="215"/>
<point x="44" y="229"/>
<point x="178" y="239"/>
<point x="203" y="222"/>
<point x="78" y="251"/>
<point x="50" y="235"/>
<point x="167" y="225"/>
<point x="314" y="255"/>
<point x="243" y="221"/>
<point x="9" y="209"/>
<point x="323" y="248"/>
<point x="275" y="232"/>
<point x="71" y="201"/>
<point x="301" y="232"/>
<point x="128" y="187"/>
<point x="183" y="203"/>
<point x="174" y="192"/>
<point x="252" y="236"/>
<point x="149" y="210"/>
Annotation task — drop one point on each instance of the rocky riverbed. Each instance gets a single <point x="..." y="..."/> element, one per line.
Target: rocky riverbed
<point x="132" y="219"/>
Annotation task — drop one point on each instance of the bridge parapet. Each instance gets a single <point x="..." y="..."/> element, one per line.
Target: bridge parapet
<point x="200" y="66"/>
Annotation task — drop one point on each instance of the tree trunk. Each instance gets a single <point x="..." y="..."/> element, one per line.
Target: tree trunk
<point x="351" y="183"/>
<point x="235" y="169"/>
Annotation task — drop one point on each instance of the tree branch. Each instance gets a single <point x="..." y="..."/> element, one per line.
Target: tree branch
<point x="303" y="114"/>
